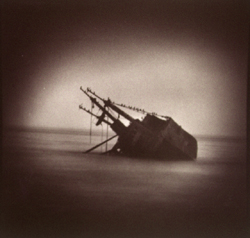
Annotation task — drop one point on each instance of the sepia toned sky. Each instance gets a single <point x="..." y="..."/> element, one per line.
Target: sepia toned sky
<point x="183" y="59"/>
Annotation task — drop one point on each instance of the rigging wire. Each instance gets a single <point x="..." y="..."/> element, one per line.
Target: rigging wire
<point x="90" y="132"/>
<point x="139" y="110"/>
<point x="101" y="137"/>
<point x="107" y="133"/>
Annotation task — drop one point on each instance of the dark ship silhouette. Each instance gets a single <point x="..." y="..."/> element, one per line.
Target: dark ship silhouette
<point x="154" y="136"/>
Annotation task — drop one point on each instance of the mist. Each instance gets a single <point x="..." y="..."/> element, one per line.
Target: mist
<point x="186" y="60"/>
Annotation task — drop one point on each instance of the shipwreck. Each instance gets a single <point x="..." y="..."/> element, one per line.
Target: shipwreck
<point x="153" y="136"/>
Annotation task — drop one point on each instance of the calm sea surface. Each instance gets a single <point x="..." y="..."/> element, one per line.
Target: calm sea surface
<point x="218" y="148"/>
<point x="52" y="189"/>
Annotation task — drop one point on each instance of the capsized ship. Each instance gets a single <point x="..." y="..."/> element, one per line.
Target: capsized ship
<point x="154" y="136"/>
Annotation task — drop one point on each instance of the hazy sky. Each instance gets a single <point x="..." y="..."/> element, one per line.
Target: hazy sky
<point x="184" y="59"/>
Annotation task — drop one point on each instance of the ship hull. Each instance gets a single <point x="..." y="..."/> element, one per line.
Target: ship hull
<point x="154" y="137"/>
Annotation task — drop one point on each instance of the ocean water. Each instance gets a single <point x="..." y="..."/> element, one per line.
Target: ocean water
<point x="61" y="140"/>
<point x="52" y="189"/>
<point x="231" y="148"/>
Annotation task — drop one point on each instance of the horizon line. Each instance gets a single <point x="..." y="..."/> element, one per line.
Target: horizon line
<point x="98" y="130"/>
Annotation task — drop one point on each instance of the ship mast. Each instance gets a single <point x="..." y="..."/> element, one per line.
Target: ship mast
<point x="92" y="114"/>
<point x="116" y="125"/>
<point x="99" y="105"/>
<point x="108" y="103"/>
